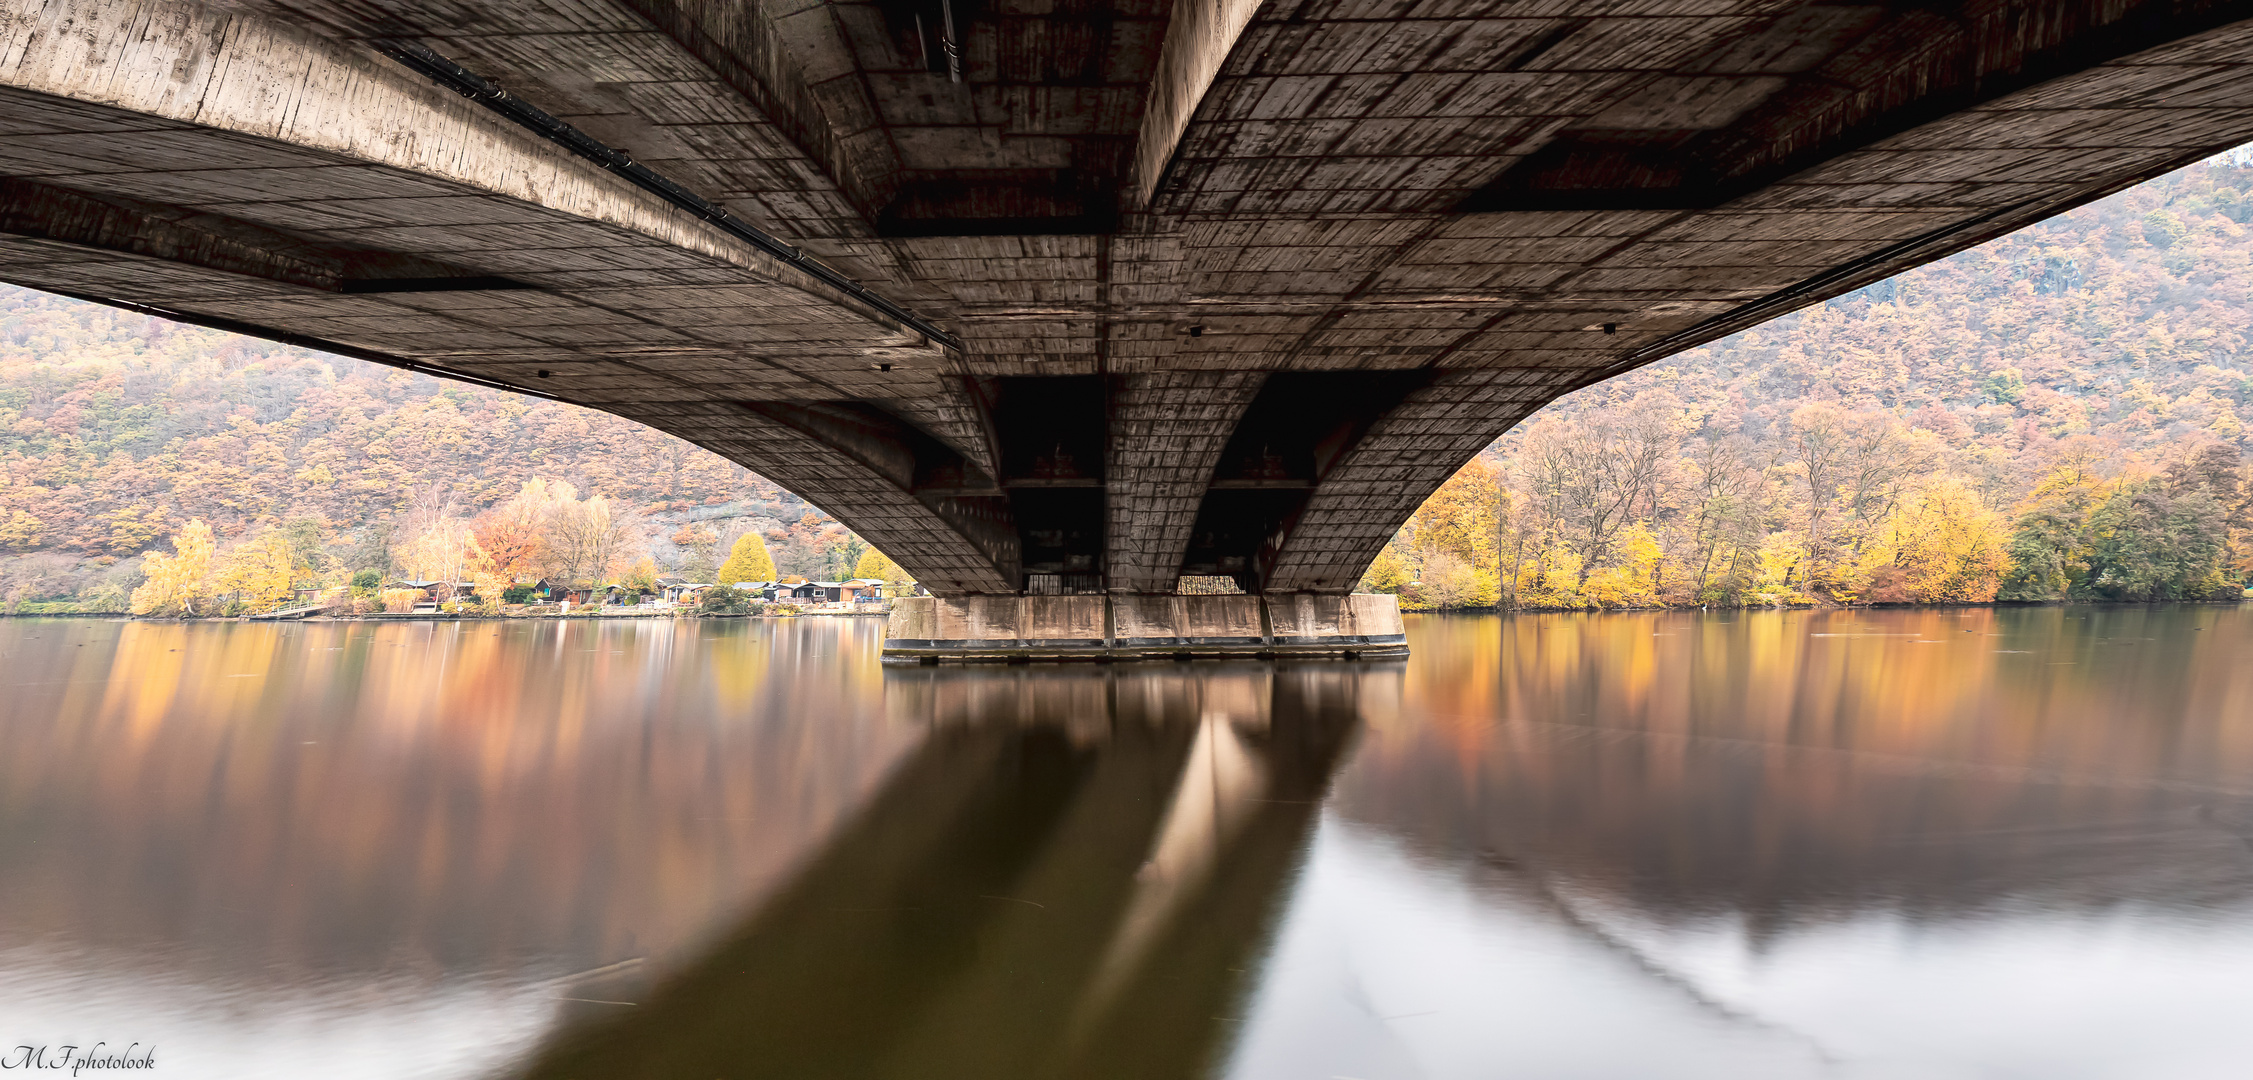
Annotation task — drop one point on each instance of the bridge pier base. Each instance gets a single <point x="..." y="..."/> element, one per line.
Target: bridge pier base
<point x="1021" y="629"/>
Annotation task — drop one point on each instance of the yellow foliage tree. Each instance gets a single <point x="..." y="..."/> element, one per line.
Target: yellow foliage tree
<point x="1446" y="556"/>
<point x="179" y="583"/>
<point x="444" y="551"/>
<point x="1947" y="545"/>
<point x="1551" y="578"/>
<point x="19" y="530"/>
<point x="1463" y="516"/>
<point x="260" y="572"/>
<point x="487" y="575"/>
<point x="1448" y="584"/>
<point x="1387" y="574"/>
<point x="1634" y="581"/>
<point x="1780" y="559"/>
<point x="747" y="561"/>
<point x="876" y="565"/>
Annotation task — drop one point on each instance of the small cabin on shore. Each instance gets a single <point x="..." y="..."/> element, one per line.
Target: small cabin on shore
<point x="804" y="592"/>
<point x="859" y="591"/>
<point x="678" y="591"/>
<point x="625" y="595"/>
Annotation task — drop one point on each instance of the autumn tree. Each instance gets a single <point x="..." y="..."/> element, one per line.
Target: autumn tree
<point x="261" y="573"/>
<point x="747" y="561"/>
<point x="178" y="583"/>
<point x="1386" y="574"/>
<point x="2137" y="538"/>
<point x="592" y="541"/>
<point x="1942" y="546"/>
<point x="2046" y="558"/>
<point x="1722" y="530"/>
<point x="1592" y="481"/>
<point x="20" y="531"/>
<point x="513" y="534"/>
<point x="444" y="549"/>
<point x="876" y="565"/>
<point x="1448" y="582"/>
<point x="305" y="538"/>
<point x="2149" y="540"/>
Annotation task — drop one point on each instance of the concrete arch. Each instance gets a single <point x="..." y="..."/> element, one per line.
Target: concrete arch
<point x="1339" y="253"/>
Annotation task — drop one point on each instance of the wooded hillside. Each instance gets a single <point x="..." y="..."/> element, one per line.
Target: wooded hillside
<point x="117" y="429"/>
<point x="2061" y="413"/>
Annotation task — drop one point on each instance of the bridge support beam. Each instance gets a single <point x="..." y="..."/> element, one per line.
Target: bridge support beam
<point x="1110" y="628"/>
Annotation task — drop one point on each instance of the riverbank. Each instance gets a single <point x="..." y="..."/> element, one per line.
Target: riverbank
<point x="432" y="616"/>
<point x="67" y="610"/>
<point x="1532" y="609"/>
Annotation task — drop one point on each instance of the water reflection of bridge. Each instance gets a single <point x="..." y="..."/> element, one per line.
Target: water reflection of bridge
<point x="1073" y="877"/>
<point x="1563" y="840"/>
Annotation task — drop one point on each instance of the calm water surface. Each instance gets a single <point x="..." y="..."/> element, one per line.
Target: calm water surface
<point x="1899" y="844"/>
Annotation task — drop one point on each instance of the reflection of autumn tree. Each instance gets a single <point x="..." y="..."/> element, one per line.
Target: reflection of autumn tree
<point x="429" y="820"/>
<point x="1791" y="764"/>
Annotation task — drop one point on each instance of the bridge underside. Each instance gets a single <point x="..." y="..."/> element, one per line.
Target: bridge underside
<point x="1074" y="298"/>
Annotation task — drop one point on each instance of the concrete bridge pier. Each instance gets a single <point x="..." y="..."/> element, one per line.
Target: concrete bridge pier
<point x="1102" y="629"/>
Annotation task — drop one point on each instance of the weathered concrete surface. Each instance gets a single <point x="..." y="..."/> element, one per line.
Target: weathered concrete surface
<point x="1018" y="629"/>
<point x="1237" y="284"/>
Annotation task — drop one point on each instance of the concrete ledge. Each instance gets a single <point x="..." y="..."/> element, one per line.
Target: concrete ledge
<point x="1102" y="629"/>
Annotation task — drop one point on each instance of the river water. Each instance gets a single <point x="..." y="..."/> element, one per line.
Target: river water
<point x="1927" y="844"/>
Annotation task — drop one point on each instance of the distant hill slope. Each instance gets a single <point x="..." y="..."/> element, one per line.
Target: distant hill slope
<point x="2130" y="319"/>
<point x="116" y="428"/>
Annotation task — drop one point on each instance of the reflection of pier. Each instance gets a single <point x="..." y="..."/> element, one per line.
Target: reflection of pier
<point x="1072" y="878"/>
